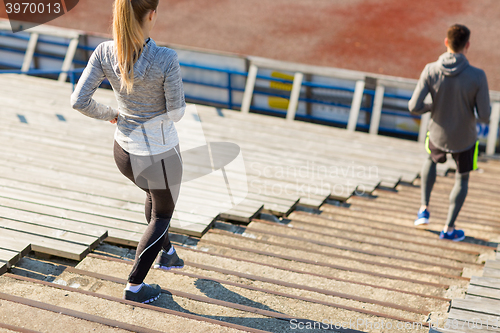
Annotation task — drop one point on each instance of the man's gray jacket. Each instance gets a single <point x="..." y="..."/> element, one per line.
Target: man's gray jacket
<point x="457" y="88"/>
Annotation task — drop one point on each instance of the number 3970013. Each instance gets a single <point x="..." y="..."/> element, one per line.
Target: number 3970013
<point x="33" y="8"/>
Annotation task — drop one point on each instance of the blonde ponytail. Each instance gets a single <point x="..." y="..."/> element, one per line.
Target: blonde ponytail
<point x="128" y="16"/>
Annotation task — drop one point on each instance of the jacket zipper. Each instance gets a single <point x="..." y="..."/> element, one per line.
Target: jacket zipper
<point x="162" y="135"/>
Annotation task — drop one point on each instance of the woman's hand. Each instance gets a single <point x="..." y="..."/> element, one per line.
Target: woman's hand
<point x="113" y="121"/>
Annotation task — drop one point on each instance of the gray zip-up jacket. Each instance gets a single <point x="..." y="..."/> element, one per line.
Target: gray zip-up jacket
<point x="145" y="122"/>
<point x="457" y="88"/>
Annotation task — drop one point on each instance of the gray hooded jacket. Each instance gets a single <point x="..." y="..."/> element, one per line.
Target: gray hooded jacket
<point x="145" y="122"/>
<point x="457" y="88"/>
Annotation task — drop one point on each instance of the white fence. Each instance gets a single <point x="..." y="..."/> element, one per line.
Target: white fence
<point x="231" y="80"/>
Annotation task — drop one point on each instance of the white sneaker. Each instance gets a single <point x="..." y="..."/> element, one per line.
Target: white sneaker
<point x="422" y="218"/>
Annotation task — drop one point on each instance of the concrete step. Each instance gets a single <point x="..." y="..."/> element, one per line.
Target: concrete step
<point x="200" y="296"/>
<point x="439" y="211"/>
<point x="99" y="307"/>
<point x="321" y="263"/>
<point x="351" y="253"/>
<point x="409" y="195"/>
<point x="366" y="242"/>
<point x="440" y="218"/>
<point x="406" y="225"/>
<point x="39" y="320"/>
<point x="411" y="234"/>
<point x="7" y="328"/>
<point x="315" y="222"/>
<point x="265" y="268"/>
<point x="355" y="276"/>
<point x="473" y="230"/>
<point x="260" y="293"/>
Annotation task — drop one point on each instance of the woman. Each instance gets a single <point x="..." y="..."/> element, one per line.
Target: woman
<point x="147" y="83"/>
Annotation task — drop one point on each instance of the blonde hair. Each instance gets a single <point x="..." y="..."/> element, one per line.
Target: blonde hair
<point x="128" y="17"/>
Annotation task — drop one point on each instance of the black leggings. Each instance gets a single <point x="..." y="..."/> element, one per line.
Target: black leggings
<point x="160" y="177"/>
<point x="457" y="195"/>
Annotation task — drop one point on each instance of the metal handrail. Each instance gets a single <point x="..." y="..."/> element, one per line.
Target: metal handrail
<point x="384" y="80"/>
<point x="71" y="73"/>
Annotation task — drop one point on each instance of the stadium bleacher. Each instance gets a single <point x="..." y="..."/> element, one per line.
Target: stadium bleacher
<point x="304" y="255"/>
<point x="321" y="234"/>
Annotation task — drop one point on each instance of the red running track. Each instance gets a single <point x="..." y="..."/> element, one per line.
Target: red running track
<point x="394" y="37"/>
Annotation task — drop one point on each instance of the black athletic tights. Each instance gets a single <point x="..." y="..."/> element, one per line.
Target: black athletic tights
<point x="160" y="177"/>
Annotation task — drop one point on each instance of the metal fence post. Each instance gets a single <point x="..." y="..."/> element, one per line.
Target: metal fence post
<point x="377" y="109"/>
<point x="356" y="105"/>
<point x="229" y="91"/>
<point x="294" y="96"/>
<point x="68" y="59"/>
<point x="493" y="129"/>
<point x="30" y="51"/>
<point x="247" y="96"/>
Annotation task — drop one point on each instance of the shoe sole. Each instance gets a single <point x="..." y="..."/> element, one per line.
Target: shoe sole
<point x="459" y="239"/>
<point x="455" y="240"/>
<point x="151" y="299"/>
<point x="421" y="221"/>
<point x="146" y="301"/>
<point x="168" y="268"/>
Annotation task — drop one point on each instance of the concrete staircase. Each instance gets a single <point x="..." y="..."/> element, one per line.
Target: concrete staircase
<point x="345" y="263"/>
<point x="276" y="263"/>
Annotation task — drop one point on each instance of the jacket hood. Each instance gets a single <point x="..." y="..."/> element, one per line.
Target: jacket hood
<point x="143" y="64"/>
<point x="452" y="64"/>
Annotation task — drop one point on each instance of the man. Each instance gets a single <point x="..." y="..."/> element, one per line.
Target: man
<point x="456" y="88"/>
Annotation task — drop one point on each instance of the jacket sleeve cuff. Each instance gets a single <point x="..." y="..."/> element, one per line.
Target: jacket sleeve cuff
<point x="177" y="114"/>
